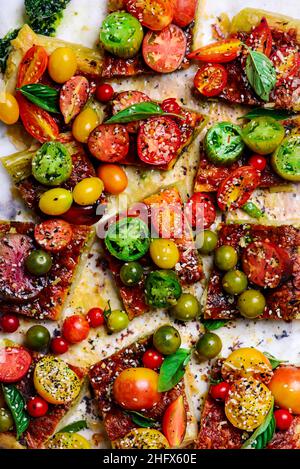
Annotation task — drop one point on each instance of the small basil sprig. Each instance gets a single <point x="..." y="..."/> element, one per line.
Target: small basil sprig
<point x="263" y="434"/>
<point x="41" y="95"/>
<point x="275" y="362"/>
<point x="261" y="73"/>
<point x="212" y="325"/>
<point x="137" y="112"/>
<point x="252" y="209"/>
<point x="16" y="405"/>
<point x="277" y="114"/>
<point x="140" y="419"/>
<point x="173" y="369"/>
<point x="74" y="427"/>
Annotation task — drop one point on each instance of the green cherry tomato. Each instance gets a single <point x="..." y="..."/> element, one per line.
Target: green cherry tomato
<point x="38" y="262"/>
<point x="117" y="321"/>
<point x="286" y="159"/>
<point x="166" y="340"/>
<point x="209" y="345"/>
<point x="128" y="239"/>
<point x="234" y="282"/>
<point x="55" y="201"/>
<point x="251" y="303"/>
<point x="187" y="308"/>
<point x="226" y="257"/>
<point x="263" y="135"/>
<point x="210" y="240"/>
<point x="52" y="164"/>
<point x="121" y="34"/>
<point x="131" y="273"/>
<point x="223" y="143"/>
<point x="6" y="420"/>
<point x="162" y="289"/>
<point x="37" y="337"/>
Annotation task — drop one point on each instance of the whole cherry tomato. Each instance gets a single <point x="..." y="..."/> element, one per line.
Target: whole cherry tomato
<point x="37" y="407"/>
<point x="285" y="387"/>
<point x="113" y="177"/>
<point x="283" y="419"/>
<point x="59" y="345"/>
<point x="104" y="92"/>
<point x="152" y="359"/>
<point x="258" y="162"/>
<point x="219" y="391"/>
<point x="75" y="328"/>
<point x="9" y="323"/>
<point x="95" y="317"/>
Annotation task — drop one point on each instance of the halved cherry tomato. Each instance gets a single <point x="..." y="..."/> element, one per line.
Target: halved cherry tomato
<point x="210" y="80"/>
<point x="247" y="362"/>
<point x="287" y="63"/>
<point x="37" y="122"/>
<point x="75" y="328"/>
<point x="237" y="188"/>
<point x="159" y="139"/>
<point x="33" y="66"/>
<point x="222" y="51"/>
<point x="164" y="51"/>
<point x="174" y="422"/>
<point x="171" y="105"/>
<point x="263" y="264"/>
<point x="184" y="12"/>
<point x="53" y="235"/>
<point x="14" y="364"/>
<point x="285" y="387"/>
<point x="154" y="14"/>
<point x="200" y="211"/>
<point x="126" y="99"/>
<point x="167" y="221"/>
<point x="109" y="143"/>
<point x="260" y="39"/>
<point x="258" y="162"/>
<point x="73" y="96"/>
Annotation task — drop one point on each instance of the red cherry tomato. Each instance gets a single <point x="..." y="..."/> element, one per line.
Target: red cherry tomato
<point x="171" y="105"/>
<point x="95" y="317"/>
<point x="154" y="14"/>
<point x="109" y="143"/>
<point x="285" y="387"/>
<point x="9" y="323"/>
<point x="200" y="210"/>
<point x="184" y="12"/>
<point x="33" y="66"/>
<point x="14" y="364"/>
<point x="73" y="96"/>
<point x="219" y="391"/>
<point x="283" y="419"/>
<point x="59" y="345"/>
<point x="104" y="92"/>
<point x="37" y="407"/>
<point x="152" y="359"/>
<point x="237" y="188"/>
<point x="211" y="79"/>
<point x="258" y="162"/>
<point x="260" y="38"/>
<point x="75" y="329"/>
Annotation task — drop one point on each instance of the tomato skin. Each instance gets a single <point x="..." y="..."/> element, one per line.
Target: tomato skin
<point x="174" y="422"/>
<point x="258" y="162"/>
<point x="113" y="177"/>
<point x="104" y="92"/>
<point x="285" y="387"/>
<point x="95" y="317"/>
<point x="33" y="66"/>
<point x="37" y="122"/>
<point x="9" y="109"/>
<point x="37" y="407"/>
<point x="14" y="364"/>
<point x="59" y="345"/>
<point x="237" y="188"/>
<point x="75" y="329"/>
<point x="184" y="12"/>
<point x="9" y="323"/>
<point x="222" y="51"/>
<point x="283" y="419"/>
<point x="152" y="359"/>
<point x="155" y="15"/>
<point x="260" y="38"/>
<point x="136" y="389"/>
<point x="219" y="391"/>
<point x="193" y="211"/>
<point x="210" y="80"/>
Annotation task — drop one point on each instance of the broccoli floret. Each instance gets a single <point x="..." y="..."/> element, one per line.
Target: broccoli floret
<point x="5" y="48"/>
<point x="44" y="17"/>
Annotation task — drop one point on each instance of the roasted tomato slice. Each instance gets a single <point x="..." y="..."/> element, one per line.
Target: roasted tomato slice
<point x="159" y="139"/>
<point x="200" y="211"/>
<point x="287" y="63"/>
<point x="222" y="51"/>
<point x="237" y="188"/>
<point x="184" y="12"/>
<point x="174" y="422"/>
<point x="53" y="235"/>
<point x="164" y="51"/>
<point x="153" y="14"/>
<point x="125" y="100"/>
<point x="37" y="122"/>
<point x="260" y="38"/>
<point x="14" y="364"/>
<point x="264" y="264"/>
<point x="211" y="79"/>
<point x="109" y="143"/>
<point x="33" y="66"/>
<point x="73" y="96"/>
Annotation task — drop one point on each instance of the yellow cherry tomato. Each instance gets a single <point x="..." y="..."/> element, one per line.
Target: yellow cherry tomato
<point x="55" y="382"/>
<point x="68" y="441"/>
<point x="84" y="124"/>
<point x="9" y="109"/>
<point x="62" y="64"/>
<point x="56" y="201"/>
<point x="164" y="253"/>
<point x="142" y="438"/>
<point x="114" y="178"/>
<point x="88" y="191"/>
<point x="245" y="362"/>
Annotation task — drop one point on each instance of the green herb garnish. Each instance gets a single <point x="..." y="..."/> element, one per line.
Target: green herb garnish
<point x="173" y="369"/>
<point x="41" y="95"/>
<point x="16" y="404"/>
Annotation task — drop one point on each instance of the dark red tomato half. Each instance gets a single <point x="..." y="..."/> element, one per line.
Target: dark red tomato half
<point x="158" y="141"/>
<point x="53" y="235"/>
<point x="37" y="122"/>
<point x="260" y="38"/>
<point x="200" y="211"/>
<point x="73" y="96"/>
<point x="184" y="12"/>
<point x="287" y="63"/>
<point x="109" y="143"/>
<point x="14" y="364"/>
<point x="237" y="188"/>
<point x="33" y="66"/>
<point x="211" y="79"/>
<point x="82" y="215"/>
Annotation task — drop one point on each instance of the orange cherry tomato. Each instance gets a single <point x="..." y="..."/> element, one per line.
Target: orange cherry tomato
<point x="222" y="51"/>
<point x="285" y="387"/>
<point x="113" y="177"/>
<point x="154" y="14"/>
<point x="75" y="328"/>
<point x="37" y="122"/>
<point x="33" y="66"/>
<point x="211" y="79"/>
<point x="136" y="389"/>
<point x="174" y="422"/>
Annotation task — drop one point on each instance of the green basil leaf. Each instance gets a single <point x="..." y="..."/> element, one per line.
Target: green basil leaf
<point x="252" y="209"/>
<point x="261" y="73"/>
<point x="137" y="112"/>
<point x="263" y="434"/>
<point x="140" y="420"/>
<point x="277" y="114"/>
<point x="173" y="369"/>
<point x="42" y="95"/>
<point x="74" y="427"/>
<point x="275" y="362"/>
<point x="212" y="325"/>
<point x="15" y="403"/>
